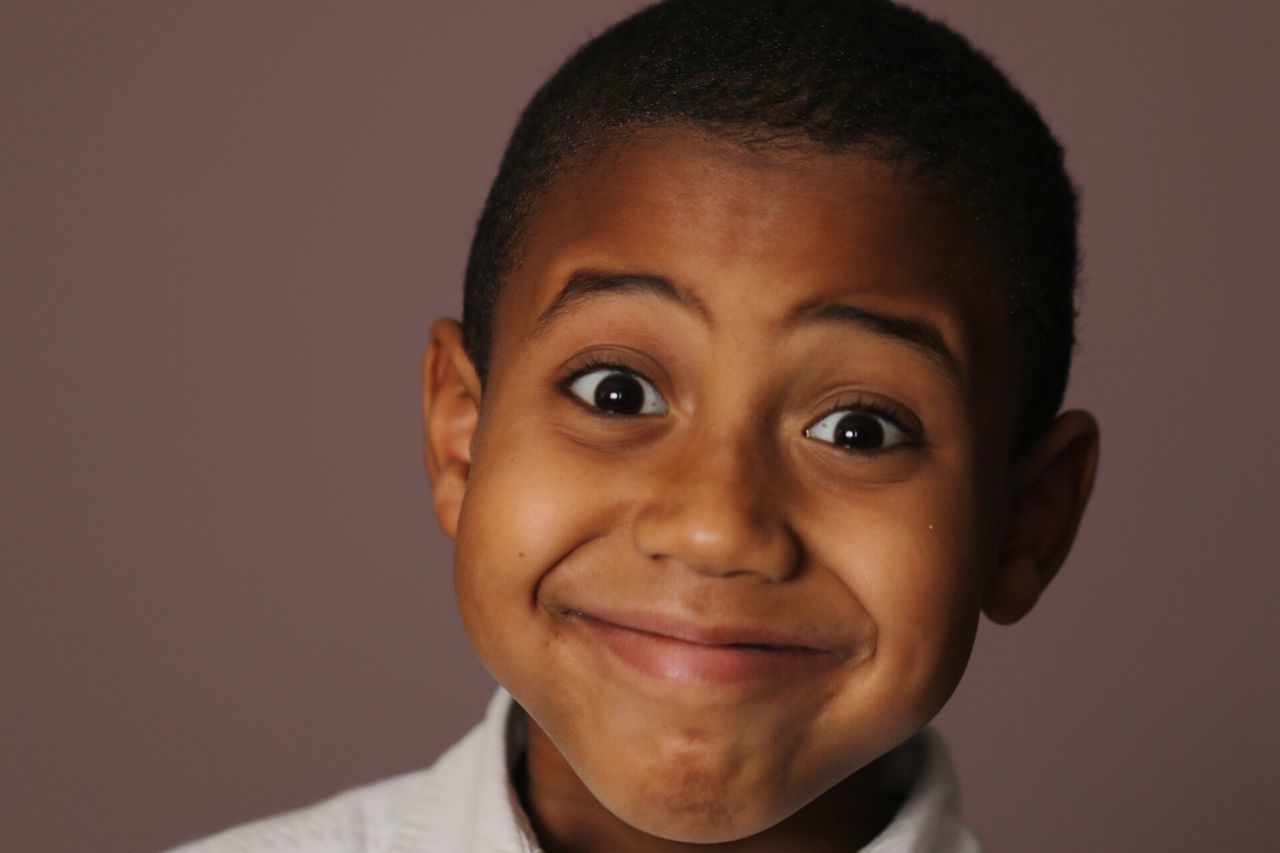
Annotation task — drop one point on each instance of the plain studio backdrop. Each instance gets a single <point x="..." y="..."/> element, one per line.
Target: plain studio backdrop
<point x="225" y="229"/>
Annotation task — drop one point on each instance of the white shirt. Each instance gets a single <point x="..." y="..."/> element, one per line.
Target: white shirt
<point x="465" y="803"/>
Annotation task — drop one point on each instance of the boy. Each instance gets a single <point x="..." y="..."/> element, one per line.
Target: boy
<point x="752" y="411"/>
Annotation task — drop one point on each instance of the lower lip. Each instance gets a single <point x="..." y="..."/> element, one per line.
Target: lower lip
<point x="680" y="661"/>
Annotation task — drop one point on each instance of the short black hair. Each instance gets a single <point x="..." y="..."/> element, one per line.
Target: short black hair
<point x="863" y="75"/>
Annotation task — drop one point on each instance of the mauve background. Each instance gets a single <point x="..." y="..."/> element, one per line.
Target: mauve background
<point x="226" y="228"/>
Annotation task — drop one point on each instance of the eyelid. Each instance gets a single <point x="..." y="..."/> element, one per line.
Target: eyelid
<point x="615" y="357"/>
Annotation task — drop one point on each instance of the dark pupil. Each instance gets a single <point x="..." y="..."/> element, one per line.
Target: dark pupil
<point x="620" y="394"/>
<point x="859" y="430"/>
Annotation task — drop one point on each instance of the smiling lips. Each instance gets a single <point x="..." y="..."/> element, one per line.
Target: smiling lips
<point x="680" y="652"/>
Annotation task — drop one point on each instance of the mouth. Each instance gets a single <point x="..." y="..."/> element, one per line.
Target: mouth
<point x="677" y="651"/>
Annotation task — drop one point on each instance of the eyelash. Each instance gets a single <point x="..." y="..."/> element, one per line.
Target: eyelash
<point x="876" y="408"/>
<point x="587" y="365"/>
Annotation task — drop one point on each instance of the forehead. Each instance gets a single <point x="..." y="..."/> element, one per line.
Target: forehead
<point x="757" y="235"/>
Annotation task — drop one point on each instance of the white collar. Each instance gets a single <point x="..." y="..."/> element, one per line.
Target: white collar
<point x="465" y="803"/>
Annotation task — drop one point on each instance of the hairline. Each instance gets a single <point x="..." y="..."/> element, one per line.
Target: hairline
<point x="592" y="142"/>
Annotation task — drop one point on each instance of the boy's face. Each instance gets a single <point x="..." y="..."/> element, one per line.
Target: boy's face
<point x="739" y="475"/>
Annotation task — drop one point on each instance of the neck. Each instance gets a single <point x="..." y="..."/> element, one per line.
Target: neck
<point x="568" y="819"/>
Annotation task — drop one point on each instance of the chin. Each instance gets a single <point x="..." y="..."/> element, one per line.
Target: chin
<point x="698" y="822"/>
<point x="692" y="805"/>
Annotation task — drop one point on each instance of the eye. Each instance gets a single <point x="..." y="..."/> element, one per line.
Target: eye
<point x="618" y="392"/>
<point x="860" y="430"/>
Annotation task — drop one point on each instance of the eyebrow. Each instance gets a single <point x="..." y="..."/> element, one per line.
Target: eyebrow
<point x="917" y="333"/>
<point x="584" y="284"/>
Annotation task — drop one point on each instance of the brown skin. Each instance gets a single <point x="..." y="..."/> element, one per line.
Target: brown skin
<point x="728" y="505"/>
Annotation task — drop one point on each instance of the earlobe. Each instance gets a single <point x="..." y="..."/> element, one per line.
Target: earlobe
<point x="1051" y="486"/>
<point x="450" y="414"/>
<point x="1015" y="589"/>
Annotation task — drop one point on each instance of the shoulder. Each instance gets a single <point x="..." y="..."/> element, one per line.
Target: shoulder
<point x="422" y="806"/>
<point x="356" y="821"/>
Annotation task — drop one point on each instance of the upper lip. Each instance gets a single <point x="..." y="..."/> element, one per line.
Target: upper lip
<point x="676" y="628"/>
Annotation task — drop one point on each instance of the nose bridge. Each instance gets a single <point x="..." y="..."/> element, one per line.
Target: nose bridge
<point x="717" y="509"/>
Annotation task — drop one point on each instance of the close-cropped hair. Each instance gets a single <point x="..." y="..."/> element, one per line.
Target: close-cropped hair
<point x="863" y="76"/>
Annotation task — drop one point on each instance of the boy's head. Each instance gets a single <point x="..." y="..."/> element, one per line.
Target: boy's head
<point x="861" y="75"/>
<point x="767" y="320"/>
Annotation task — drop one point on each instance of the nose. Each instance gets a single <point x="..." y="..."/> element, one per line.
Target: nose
<point x="718" y="513"/>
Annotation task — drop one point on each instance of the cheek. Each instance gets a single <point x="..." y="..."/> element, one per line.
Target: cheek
<point x="525" y="508"/>
<point x="915" y="561"/>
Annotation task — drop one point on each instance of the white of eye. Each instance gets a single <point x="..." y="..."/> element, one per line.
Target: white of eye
<point x="858" y="430"/>
<point x="618" y="392"/>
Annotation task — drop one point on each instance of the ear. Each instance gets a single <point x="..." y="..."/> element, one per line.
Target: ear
<point x="1051" y="485"/>
<point x="450" y="413"/>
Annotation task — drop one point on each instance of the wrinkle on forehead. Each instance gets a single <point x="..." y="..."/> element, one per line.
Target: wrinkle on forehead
<point x="675" y="188"/>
